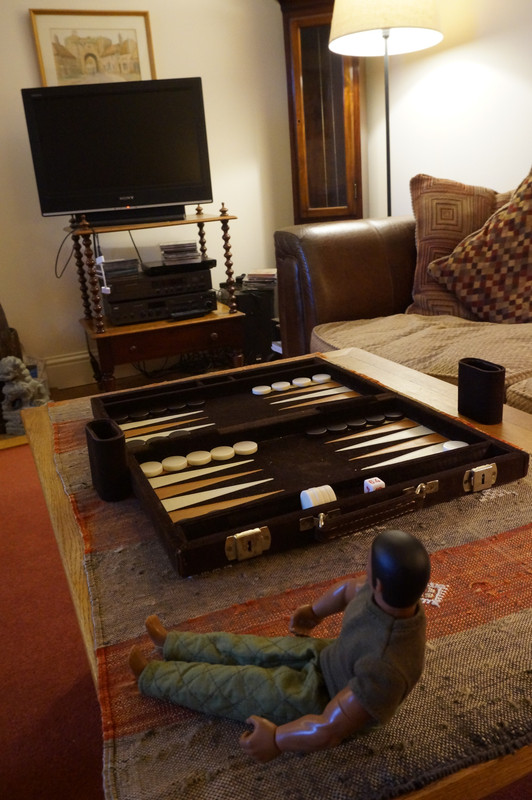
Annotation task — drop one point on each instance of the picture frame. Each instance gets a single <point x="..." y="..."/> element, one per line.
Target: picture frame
<point x="92" y="46"/>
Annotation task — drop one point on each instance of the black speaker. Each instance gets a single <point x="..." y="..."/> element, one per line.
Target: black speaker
<point x="259" y="306"/>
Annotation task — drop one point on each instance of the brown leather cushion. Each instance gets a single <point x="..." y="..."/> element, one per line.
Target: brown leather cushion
<point x="490" y="270"/>
<point x="446" y="212"/>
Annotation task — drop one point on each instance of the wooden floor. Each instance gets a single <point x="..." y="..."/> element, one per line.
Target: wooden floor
<point x="11" y="441"/>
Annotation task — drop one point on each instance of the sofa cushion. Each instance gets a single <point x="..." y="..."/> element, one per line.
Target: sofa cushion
<point x="446" y="212"/>
<point x="434" y="345"/>
<point x="519" y="395"/>
<point x="490" y="271"/>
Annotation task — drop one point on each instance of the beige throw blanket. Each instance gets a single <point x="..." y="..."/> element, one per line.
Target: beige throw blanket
<point x="434" y="345"/>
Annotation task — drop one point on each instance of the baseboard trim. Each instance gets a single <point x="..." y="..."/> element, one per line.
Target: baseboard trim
<point x="74" y="369"/>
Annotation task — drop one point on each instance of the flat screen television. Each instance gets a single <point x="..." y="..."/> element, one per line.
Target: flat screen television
<point x="119" y="153"/>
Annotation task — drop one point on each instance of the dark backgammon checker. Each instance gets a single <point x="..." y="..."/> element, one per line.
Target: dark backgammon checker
<point x="243" y="463"/>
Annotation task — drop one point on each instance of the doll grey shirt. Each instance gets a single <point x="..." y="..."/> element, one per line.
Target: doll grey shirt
<point x="380" y="658"/>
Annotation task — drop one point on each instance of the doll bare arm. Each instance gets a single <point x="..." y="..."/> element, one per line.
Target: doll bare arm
<point x="342" y="717"/>
<point x="306" y="617"/>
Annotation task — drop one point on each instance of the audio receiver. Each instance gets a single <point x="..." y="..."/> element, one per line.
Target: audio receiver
<point x="150" y="309"/>
<point x="142" y="286"/>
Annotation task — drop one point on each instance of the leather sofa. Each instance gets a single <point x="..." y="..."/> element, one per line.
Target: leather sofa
<point x="332" y="271"/>
<point x="351" y="284"/>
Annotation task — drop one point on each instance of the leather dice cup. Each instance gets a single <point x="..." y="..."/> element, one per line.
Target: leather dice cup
<point x="107" y="457"/>
<point x="481" y="390"/>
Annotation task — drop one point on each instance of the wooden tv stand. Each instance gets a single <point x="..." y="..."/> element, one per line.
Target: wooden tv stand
<point x="110" y="345"/>
<point x="127" y="344"/>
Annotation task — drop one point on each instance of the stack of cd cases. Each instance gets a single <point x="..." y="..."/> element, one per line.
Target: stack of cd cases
<point x="180" y="253"/>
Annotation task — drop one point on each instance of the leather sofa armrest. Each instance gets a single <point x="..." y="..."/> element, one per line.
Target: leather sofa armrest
<point x="341" y="270"/>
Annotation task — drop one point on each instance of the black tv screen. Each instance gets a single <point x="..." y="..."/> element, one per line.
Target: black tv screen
<point x="119" y="152"/>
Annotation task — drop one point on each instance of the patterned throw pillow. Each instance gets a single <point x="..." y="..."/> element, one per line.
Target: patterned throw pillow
<point x="491" y="270"/>
<point x="445" y="212"/>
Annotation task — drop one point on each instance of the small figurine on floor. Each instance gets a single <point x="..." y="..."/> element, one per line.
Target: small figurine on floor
<point x="301" y="693"/>
<point x="19" y="391"/>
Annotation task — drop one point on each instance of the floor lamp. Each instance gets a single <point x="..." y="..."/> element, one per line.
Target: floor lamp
<point x="383" y="28"/>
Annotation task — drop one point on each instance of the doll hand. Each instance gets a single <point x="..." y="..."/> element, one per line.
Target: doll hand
<point x="260" y="742"/>
<point x="303" y="620"/>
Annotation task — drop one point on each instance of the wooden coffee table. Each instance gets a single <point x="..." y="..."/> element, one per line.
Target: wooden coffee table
<point x="516" y="427"/>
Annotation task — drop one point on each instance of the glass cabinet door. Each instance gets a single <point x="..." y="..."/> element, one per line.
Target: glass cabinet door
<point x="324" y="122"/>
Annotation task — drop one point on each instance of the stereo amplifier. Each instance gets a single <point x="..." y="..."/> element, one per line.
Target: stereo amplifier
<point x="142" y="286"/>
<point x="150" y="309"/>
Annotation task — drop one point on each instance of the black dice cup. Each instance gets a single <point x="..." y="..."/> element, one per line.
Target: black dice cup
<point x="480" y="390"/>
<point x="107" y="457"/>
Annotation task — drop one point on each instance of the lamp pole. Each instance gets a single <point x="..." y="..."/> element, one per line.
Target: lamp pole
<point x="386" y="36"/>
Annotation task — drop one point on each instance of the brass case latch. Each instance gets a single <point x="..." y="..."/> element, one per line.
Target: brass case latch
<point x="478" y="478"/>
<point x="248" y="544"/>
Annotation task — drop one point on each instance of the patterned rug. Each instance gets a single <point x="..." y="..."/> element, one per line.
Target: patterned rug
<point x="472" y="704"/>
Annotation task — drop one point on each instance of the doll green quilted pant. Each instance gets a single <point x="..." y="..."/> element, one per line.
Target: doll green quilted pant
<point x="236" y="675"/>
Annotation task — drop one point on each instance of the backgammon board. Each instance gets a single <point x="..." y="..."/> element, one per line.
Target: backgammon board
<point x="248" y="462"/>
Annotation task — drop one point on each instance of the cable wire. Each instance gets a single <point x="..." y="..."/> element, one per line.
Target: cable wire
<point x="60" y="274"/>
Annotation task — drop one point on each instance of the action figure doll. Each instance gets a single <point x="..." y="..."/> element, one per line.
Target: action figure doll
<point x="301" y="693"/>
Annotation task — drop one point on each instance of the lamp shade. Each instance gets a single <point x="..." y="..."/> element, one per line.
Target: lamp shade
<point x="357" y="26"/>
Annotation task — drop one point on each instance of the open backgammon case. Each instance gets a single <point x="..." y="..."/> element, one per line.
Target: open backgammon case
<point x="243" y="463"/>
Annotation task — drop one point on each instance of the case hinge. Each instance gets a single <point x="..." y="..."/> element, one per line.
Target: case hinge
<point x="423" y="489"/>
<point x="479" y="478"/>
<point x="318" y="522"/>
<point x="248" y="544"/>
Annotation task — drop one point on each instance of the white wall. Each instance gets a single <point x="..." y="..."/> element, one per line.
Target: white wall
<point x="461" y="110"/>
<point x="236" y="46"/>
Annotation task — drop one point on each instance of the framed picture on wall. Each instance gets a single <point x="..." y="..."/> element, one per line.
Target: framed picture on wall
<point x="92" y="46"/>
